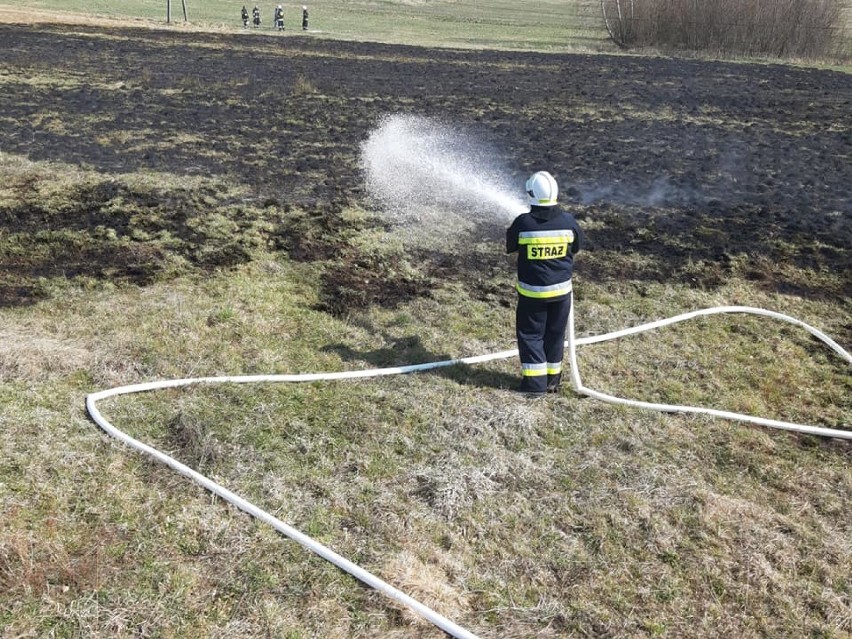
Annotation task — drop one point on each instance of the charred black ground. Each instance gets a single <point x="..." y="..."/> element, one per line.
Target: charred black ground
<point x="698" y="167"/>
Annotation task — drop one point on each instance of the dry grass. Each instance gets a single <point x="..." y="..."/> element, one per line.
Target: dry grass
<point x="17" y="15"/>
<point x="303" y="86"/>
<point x="561" y="517"/>
<point x="29" y="356"/>
<point x="428" y="582"/>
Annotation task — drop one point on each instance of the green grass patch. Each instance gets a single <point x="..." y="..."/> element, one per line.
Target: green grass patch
<point x="549" y="25"/>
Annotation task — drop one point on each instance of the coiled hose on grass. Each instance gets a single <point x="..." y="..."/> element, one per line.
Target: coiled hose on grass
<point x="356" y="571"/>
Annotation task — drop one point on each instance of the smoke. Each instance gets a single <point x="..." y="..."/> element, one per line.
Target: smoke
<point x="662" y="192"/>
<point x="427" y="172"/>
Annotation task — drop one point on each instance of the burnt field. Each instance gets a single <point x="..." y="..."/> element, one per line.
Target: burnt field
<point x="697" y="171"/>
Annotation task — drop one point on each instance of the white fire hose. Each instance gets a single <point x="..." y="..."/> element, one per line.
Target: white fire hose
<point x="356" y="571"/>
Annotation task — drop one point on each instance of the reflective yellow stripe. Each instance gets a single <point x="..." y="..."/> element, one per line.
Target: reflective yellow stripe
<point x="563" y="236"/>
<point x="554" y="369"/>
<point x="556" y="239"/>
<point x="540" y="295"/>
<point x="533" y="370"/>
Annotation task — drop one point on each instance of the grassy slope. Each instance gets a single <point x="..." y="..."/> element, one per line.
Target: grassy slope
<point x="563" y="518"/>
<point x="549" y="25"/>
<point x="546" y="25"/>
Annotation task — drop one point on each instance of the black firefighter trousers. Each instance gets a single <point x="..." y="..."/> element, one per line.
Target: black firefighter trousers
<point x="540" y="325"/>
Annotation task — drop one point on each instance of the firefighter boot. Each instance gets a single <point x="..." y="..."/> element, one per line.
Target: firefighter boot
<point x="553" y="382"/>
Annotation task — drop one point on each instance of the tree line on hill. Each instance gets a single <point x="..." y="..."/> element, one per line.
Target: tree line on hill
<point x="777" y="28"/>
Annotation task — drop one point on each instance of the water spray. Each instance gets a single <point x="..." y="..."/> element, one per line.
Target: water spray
<point x="421" y="170"/>
<point x="415" y="167"/>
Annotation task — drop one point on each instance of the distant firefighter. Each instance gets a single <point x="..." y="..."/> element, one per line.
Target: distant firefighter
<point x="304" y="18"/>
<point x="279" y="18"/>
<point x="245" y="16"/>
<point x="255" y="13"/>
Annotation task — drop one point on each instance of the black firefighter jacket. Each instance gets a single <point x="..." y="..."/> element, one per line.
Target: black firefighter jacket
<point x="546" y="239"/>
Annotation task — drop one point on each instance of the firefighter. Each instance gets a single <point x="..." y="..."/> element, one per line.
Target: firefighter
<point x="546" y="240"/>
<point x="244" y="15"/>
<point x="255" y="15"/>
<point x="279" y="18"/>
<point x="304" y="18"/>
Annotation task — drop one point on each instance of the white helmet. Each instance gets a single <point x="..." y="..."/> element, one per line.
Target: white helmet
<point x="542" y="189"/>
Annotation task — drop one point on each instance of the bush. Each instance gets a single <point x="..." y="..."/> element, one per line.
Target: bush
<point x="782" y="28"/>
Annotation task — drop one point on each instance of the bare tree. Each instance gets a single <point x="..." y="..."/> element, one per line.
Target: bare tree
<point x="797" y="28"/>
<point x="618" y="18"/>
